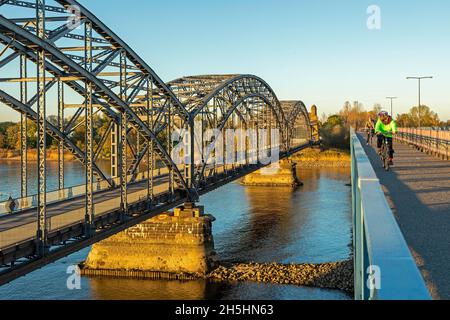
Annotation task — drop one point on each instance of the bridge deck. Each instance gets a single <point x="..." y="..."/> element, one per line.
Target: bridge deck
<point x="418" y="190"/>
<point x="18" y="227"/>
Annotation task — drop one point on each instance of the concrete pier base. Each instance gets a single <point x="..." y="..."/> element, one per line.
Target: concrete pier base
<point x="284" y="176"/>
<point x="166" y="245"/>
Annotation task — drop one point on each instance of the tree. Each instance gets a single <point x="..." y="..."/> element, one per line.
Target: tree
<point x="31" y="134"/>
<point x="323" y="118"/>
<point x="345" y="111"/>
<point x="2" y="141"/>
<point x="4" y="126"/>
<point x="404" y="120"/>
<point x="376" y="109"/>
<point x="428" y="118"/>
<point x="334" y="133"/>
<point x="353" y="116"/>
<point x="13" y="137"/>
<point x="334" y="120"/>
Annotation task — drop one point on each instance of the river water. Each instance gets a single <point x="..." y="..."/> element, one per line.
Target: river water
<point x="309" y="225"/>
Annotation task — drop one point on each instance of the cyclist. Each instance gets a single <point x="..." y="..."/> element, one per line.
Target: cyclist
<point x="385" y="128"/>
<point x="370" y="127"/>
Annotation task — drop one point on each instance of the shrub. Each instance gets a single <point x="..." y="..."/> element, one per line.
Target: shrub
<point x="334" y="134"/>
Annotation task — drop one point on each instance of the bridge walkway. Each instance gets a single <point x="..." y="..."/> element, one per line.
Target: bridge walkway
<point x="418" y="191"/>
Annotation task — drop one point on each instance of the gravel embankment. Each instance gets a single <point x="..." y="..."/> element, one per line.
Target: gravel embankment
<point x="338" y="275"/>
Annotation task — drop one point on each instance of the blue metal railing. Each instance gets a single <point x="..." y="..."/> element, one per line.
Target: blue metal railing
<point x="384" y="266"/>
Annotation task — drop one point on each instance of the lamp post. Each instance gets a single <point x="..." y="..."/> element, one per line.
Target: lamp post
<point x="392" y="104"/>
<point x="420" y="105"/>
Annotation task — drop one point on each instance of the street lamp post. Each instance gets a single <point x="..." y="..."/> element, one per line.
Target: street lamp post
<point x="392" y="104"/>
<point x="420" y="104"/>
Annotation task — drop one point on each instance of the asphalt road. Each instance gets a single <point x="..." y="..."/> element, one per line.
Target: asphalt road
<point x="418" y="191"/>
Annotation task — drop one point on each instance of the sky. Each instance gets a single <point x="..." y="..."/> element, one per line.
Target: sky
<point x="321" y="52"/>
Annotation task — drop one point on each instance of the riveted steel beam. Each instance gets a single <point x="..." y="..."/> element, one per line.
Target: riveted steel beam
<point x="23" y="130"/>
<point x="42" y="135"/>
<point x="61" y="129"/>
<point x="89" y="125"/>
<point x="123" y="138"/>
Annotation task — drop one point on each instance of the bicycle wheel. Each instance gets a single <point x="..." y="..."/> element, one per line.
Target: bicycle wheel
<point x="382" y="157"/>
<point x="386" y="161"/>
<point x="387" y="164"/>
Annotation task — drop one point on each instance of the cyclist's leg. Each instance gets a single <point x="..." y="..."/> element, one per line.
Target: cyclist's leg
<point x="379" y="142"/>
<point x="390" y="142"/>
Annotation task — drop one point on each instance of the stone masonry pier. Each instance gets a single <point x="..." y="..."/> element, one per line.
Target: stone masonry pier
<point x="167" y="246"/>
<point x="284" y="176"/>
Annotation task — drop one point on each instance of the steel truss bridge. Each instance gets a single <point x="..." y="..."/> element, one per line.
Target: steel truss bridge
<point x="56" y="56"/>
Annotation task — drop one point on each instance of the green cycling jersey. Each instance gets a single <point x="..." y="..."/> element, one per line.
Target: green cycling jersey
<point x="386" y="129"/>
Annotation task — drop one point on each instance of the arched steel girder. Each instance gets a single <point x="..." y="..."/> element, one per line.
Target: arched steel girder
<point x="236" y="105"/>
<point x="299" y="108"/>
<point x="109" y="38"/>
<point x="294" y="110"/>
<point x="117" y="42"/>
<point x="207" y="87"/>
<point x="57" y="73"/>
<point x="53" y="70"/>
<point x="101" y="90"/>
<point x="141" y="70"/>
<point x="198" y="92"/>
<point x="51" y="130"/>
<point x="133" y="170"/>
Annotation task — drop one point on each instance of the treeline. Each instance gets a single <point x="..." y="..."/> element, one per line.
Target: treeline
<point x="356" y="116"/>
<point x="335" y="129"/>
<point x="10" y="134"/>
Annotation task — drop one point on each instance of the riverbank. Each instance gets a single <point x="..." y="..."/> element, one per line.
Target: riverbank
<point x="323" y="158"/>
<point x="336" y="275"/>
<point x="14" y="155"/>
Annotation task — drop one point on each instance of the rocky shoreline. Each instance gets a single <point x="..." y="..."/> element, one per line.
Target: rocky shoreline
<point x="335" y="276"/>
<point x="338" y="275"/>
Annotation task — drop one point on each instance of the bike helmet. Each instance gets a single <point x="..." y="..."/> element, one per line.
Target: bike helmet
<point x="383" y="114"/>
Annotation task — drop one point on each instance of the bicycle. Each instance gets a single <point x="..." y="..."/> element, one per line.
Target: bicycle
<point x="385" y="157"/>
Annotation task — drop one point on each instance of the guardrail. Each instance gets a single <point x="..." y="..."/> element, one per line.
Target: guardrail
<point x="384" y="266"/>
<point x="30" y="202"/>
<point x="436" y="142"/>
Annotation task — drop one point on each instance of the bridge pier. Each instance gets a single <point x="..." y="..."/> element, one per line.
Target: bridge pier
<point x="283" y="176"/>
<point x="167" y="245"/>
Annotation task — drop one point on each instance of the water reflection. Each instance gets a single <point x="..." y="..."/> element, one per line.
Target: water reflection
<point x="118" y="289"/>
